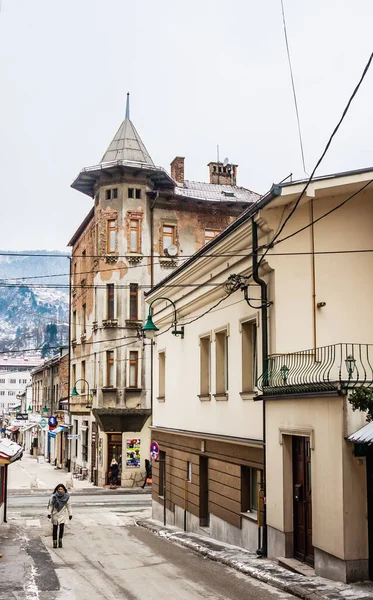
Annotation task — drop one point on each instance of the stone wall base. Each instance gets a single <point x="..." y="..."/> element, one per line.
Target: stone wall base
<point x="348" y="571"/>
<point x="279" y="543"/>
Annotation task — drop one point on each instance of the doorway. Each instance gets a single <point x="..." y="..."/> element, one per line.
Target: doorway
<point x="302" y="500"/>
<point x="369" y="459"/>
<point x="114" y="451"/>
<point x="204" y="517"/>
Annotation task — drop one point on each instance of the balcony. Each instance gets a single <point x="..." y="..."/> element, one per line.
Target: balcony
<point x="325" y="369"/>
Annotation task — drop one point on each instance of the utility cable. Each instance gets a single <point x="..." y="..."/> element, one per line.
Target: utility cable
<point x="293" y="87"/>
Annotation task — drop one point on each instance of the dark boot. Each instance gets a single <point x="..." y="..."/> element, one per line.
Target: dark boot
<point x="60" y="543"/>
<point x="54" y="543"/>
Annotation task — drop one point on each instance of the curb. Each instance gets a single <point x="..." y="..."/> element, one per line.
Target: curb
<point x="81" y="492"/>
<point x="262" y="569"/>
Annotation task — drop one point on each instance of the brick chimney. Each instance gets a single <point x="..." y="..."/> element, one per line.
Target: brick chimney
<point x="177" y="169"/>
<point x="223" y="174"/>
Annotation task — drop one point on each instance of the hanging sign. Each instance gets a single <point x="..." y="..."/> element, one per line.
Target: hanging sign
<point x="154" y="450"/>
<point x="52" y="421"/>
<point x="43" y="423"/>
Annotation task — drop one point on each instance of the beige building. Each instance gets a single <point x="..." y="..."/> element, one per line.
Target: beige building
<point x="143" y="224"/>
<point x="253" y="401"/>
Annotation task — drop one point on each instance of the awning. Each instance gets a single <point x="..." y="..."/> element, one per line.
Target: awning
<point x="121" y="419"/>
<point x="364" y="435"/>
<point x="58" y="430"/>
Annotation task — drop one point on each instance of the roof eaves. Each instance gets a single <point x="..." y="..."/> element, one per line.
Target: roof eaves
<point x="82" y="227"/>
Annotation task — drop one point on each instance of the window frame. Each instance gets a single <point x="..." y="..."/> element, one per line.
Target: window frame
<point x="214" y="231"/>
<point x="112" y="225"/>
<point x="133" y="361"/>
<point x="205" y="366"/>
<point x="84" y="319"/>
<point x="130" y="192"/>
<point x="137" y="230"/>
<point x="138" y="193"/>
<point x="166" y="235"/>
<point x="221" y="363"/>
<point x="110" y="301"/>
<point x="249" y="355"/>
<point x="134" y="301"/>
<point x="110" y="369"/>
<point x="251" y="479"/>
<point x="161" y="376"/>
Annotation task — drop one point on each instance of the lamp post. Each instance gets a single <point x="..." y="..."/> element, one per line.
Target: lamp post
<point x="75" y="392"/>
<point x="149" y="329"/>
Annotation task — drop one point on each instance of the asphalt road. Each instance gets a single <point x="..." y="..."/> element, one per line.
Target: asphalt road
<point x="106" y="557"/>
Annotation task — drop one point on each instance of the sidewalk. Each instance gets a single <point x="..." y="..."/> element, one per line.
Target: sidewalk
<point x="30" y="476"/>
<point x="268" y="571"/>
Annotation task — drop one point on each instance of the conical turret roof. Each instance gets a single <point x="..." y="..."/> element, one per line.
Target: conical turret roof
<point x="127" y="144"/>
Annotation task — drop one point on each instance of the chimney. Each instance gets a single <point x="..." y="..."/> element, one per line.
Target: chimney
<point x="223" y="173"/>
<point x="177" y="169"/>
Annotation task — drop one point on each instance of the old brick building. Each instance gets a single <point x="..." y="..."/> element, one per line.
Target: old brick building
<point x="143" y="223"/>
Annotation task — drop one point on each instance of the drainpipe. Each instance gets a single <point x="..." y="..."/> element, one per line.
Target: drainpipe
<point x="313" y="272"/>
<point x="262" y="551"/>
<point x="152" y="205"/>
<point x="5" y="492"/>
<point x="69" y="368"/>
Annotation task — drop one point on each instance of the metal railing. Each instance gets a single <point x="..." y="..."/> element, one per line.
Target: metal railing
<point x="328" y="368"/>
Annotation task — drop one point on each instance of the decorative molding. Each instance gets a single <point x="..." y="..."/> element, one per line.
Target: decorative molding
<point x="111" y="259"/>
<point x="83" y="337"/>
<point x="94" y="325"/>
<point x="134" y="258"/>
<point x="108" y="323"/>
<point x="133" y="324"/>
<point x="221" y="397"/>
<point x="73" y="343"/>
<point x="204" y="397"/>
<point x="299" y="431"/>
<point x="168" y="263"/>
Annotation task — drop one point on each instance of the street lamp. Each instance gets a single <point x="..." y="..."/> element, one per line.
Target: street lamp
<point x="45" y="409"/>
<point x="75" y="392"/>
<point x="149" y="329"/>
<point x="350" y="363"/>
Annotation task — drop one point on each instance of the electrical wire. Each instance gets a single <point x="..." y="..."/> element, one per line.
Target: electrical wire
<point x="344" y="113"/>
<point x="293" y="87"/>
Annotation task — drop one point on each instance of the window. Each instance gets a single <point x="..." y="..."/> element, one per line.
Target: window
<point x="138" y="194"/>
<point x="22" y="380"/>
<point x="130" y="193"/>
<point x="110" y="300"/>
<point x="189" y="470"/>
<point x="168" y="236"/>
<point x="112" y="193"/>
<point x="76" y="440"/>
<point x="11" y="393"/>
<point x="83" y="377"/>
<point x="134" y="288"/>
<point x="12" y="380"/>
<point x="161" y="375"/>
<point x="84" y="265"/>
<point x="221" y="348"/>
<point x="210" y="234"/>
<point x="2" y="393"/>
<point x="135" y="235"/>
<point x="110" y="368"/>
<point x="73" y="374"/>
<point x="111" y="235"/>
<point x="205" y="365"/>
<point x="85" y="434"/>
<point x="74" y="325"/>
<point x="2" y="380"/>
<point x="133" y="369"/>
<point x="249" y="356"/>
<point x="250" y="486"/>
<point x="74" y="274"/>
<point x="84" y="315"/>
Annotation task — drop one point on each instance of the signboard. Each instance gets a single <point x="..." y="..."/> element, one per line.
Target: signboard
<point x="74" y="436"/>
<point x="133" y="453"/>
<point x="52" y="421"/>
<point x="22" y="416"/>
<point x="154" y="450"/>
<point x="43" y="423"/>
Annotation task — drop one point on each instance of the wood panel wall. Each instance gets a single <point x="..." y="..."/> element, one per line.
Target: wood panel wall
<point x="224" y="477"/>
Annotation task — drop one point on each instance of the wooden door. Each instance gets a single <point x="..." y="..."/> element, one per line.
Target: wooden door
<point x="114" y="451"/>
<point x="302" y="500"/>
<point x="370" y="508"/>
<point x="203" y="491"/>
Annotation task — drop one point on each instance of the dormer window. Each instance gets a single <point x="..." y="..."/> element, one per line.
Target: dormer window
<point x="229" y="194"/>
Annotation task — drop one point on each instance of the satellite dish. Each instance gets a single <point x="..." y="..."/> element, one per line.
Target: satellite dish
<point x="226" y="162"/>
<point x="171" y="250"/>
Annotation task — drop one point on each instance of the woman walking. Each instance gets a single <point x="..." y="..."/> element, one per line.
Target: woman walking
<point x="148" y="472"/>
<point x="59" y="510"/>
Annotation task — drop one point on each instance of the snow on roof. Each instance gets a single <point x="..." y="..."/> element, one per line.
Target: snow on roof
<point x="215" y="192"/>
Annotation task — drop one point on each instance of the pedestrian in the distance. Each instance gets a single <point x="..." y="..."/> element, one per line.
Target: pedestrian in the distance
<point x="59" y="510"/>
<point x="148" y="474"/>
<point x="114" y="468"/>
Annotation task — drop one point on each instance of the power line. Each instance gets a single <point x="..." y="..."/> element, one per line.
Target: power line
<point x="344" y="113"/>
<point x="293" y="86"/>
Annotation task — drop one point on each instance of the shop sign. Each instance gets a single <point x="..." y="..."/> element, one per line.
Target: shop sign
<point x="43" y="423"/>
<point x="133" y="453"/>
<point x="22" y="416"/>
<point x="52" y="421"/>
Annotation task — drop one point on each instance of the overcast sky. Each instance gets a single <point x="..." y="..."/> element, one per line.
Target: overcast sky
<point x="200" y="73"/>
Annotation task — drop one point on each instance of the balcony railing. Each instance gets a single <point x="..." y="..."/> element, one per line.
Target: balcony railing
<point x="334" y="367"/>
